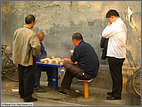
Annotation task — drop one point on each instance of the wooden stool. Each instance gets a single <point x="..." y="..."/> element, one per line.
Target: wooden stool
<point x="86" y="90"/>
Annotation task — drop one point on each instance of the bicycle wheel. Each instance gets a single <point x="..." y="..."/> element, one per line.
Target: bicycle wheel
<point x="11" y="70"/>
<point x="129" y="86"/>
<point x="136" y="82"/>
<point x="3" y="59"/>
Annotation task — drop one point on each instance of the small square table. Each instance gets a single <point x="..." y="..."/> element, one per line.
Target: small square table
<point x="54" y="73"/>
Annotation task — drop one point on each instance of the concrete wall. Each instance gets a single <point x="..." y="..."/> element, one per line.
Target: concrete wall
<point x="60" y="19"/>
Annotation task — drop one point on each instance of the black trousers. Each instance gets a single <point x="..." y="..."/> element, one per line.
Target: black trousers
<point x="38" y="74"/>
<point x="71" y="72"/>
<point x="26" y="75"/>
<point x="115" y="66"/>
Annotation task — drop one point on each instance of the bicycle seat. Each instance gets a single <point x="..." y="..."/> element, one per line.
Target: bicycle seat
<point x="3" y="46"/>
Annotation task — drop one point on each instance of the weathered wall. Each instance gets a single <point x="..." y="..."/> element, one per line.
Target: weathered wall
<point x="60" y="19"/>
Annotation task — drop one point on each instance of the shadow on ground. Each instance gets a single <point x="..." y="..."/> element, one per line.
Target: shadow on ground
<point x="49" y="97"/>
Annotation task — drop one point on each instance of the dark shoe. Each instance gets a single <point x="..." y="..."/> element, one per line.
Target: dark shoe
<point x="113" y="98"/>
<point x="38" y="89"/>
<point x="109" y="93"/>
<point x="65" y="91"/>
<point x="21" y="97"/>
<point x="30" y="100"/>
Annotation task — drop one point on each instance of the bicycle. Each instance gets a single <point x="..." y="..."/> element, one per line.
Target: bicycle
<point x="9" y="69"/>
<point x="135" y="79"/>
<point x="134" y="83"/>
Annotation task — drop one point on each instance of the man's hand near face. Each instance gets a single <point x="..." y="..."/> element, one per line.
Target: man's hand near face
<point x="109" y="23"/>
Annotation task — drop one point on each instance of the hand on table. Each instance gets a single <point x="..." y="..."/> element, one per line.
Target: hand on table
<point x="68" y="60"/>
<point x="63" y="60"/>
<point x="40" y="53"/>
<point x="75" y="62"/>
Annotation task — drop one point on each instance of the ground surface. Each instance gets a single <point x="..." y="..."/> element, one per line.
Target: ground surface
<point x="49" y="97"/>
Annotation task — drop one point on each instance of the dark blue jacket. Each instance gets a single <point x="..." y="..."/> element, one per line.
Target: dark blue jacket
<point x="44" y="53"/>
<point x="87" y="58"/>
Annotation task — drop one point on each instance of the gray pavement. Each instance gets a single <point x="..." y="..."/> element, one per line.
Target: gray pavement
<point x="49" y="97"/>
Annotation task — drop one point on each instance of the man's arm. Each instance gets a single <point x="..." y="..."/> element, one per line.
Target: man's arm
<point x="68" y="60"/>
<point x="35" y="44"/>
<point x="43" y="52"/>
<point x="110" y="30"/>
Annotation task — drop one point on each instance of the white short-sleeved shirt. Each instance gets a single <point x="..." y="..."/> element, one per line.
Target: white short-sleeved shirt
<point x="117" y="33"/>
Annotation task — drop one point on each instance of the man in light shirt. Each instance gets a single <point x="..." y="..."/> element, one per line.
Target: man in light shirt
<point x="116" y="31"/>
<point x="26" y="46"/>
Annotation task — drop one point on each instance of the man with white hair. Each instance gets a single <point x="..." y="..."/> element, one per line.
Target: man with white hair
<point x="42" y="54"/>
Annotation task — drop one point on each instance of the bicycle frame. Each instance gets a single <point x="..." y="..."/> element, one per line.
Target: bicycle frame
<point x="9" y="69"/>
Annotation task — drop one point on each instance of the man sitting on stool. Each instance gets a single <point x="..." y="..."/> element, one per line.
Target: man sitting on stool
<point x="87" y="63"/>
<point x="41" y="55"/>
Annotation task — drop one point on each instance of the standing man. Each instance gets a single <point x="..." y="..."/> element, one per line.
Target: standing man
<point x="84" y="63"/>
<point x="26" y="46"/>
<point x="42" y="54"/>
<point x="116" y="31"/>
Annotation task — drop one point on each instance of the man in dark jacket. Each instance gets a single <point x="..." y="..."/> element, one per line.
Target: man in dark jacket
<point x="42" y="54"/>
<point x="87" y="63"/>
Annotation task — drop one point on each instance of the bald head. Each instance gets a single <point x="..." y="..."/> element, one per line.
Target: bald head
<point x="40" y="36"/>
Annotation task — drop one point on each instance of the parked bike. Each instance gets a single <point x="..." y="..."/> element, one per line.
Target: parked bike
<point x="9" y="69"/>
<point x="134" y="83"/>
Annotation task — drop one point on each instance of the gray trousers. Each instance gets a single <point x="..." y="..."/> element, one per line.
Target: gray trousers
<point x="71" y="72"/>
